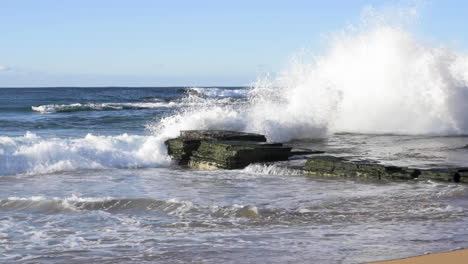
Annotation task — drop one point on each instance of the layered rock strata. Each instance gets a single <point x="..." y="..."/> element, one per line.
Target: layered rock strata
<point x="330" y="166"/>
<point x="220" y="149"/>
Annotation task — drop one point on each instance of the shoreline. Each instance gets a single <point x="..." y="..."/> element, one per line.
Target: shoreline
<point x="452" y="257"/>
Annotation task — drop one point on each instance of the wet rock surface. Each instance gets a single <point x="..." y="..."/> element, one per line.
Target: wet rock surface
<point x="236" y="154"/>
<point x="220" y="149"/>
<point x="330" y="166"/>
<point x="224" y="135"/>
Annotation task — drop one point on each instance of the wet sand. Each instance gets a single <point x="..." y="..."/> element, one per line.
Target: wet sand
<point x="453" y="257"/>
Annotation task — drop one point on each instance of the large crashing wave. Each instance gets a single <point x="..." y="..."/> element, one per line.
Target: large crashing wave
<point x="381" y="81"/>
<point x="376" y="78"/>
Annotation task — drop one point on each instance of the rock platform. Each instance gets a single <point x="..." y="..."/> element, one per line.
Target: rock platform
<point x="330" y="166"/>
<point x="221" y="149"/>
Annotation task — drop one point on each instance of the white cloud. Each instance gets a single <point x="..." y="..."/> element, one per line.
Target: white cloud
<point x="4" y="68"/>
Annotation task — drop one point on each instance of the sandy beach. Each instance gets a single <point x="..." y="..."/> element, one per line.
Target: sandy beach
<point x="453" y="257"/>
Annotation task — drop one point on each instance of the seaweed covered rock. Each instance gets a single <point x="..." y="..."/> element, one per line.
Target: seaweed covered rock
<point x="209" y="149"/>
<point x="181" y="149"/>
<point x="224" y="135"/>
<point x="236" y="154"/>
<point x="445" y="174"/>
<point x="330" y="166"/>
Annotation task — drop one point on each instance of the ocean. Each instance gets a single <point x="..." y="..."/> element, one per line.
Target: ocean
<point x="85" y="178"/>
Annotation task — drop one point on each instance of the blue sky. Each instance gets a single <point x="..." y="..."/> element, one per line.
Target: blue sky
<point x="161" y="43"/>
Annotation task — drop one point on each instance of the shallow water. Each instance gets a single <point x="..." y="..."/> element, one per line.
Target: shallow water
<point x="77" y="189"/>
<point x="177" y="216"/>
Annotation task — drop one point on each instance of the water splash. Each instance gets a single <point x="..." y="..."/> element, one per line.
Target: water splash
<point x="384" y="81"/>
<point x="375" y="78"/>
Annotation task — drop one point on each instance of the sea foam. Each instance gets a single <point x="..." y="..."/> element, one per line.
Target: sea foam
<point x="32" y="154"/>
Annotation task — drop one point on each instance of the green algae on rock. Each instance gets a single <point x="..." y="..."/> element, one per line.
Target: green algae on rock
<point x="236" y="154"/>
<point x="222" y="149"/>
<point x="330" y="166"/>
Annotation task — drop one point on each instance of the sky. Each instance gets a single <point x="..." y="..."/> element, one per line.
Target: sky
<point x="182" y="43"/>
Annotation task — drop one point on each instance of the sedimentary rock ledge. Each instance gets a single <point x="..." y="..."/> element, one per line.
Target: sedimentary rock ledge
<point x="330" y="166"/>
<point x="221" y="149"/>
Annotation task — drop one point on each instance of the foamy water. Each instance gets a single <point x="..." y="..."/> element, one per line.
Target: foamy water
<point x="167" y="216"/>
<point x="32" y="154"/>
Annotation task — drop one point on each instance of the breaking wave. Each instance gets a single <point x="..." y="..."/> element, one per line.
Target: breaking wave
<point x="32" y="154"/>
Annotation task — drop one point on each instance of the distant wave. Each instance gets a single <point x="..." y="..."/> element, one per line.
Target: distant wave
<point x="194" y="99"/>
<point x="77" y="107"/>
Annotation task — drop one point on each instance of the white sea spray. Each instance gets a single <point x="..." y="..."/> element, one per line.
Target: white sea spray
<point x="377" y="77"/>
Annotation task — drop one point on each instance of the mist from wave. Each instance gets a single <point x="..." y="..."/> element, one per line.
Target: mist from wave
<point x="218" y="92"/>
<point x="375" y="78"/>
